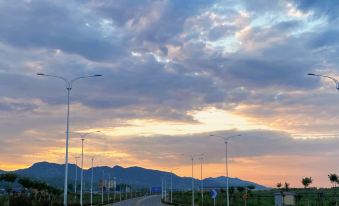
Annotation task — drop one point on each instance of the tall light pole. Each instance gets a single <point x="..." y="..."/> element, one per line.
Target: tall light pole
<point x="82" y="136"/>
<point x="115" y="187"/>
<point x="202" y="182"/>
<point x="172" y="183"/>
<point x="108" y="188"/>
<point x="82" y="168"/>
<point x="165" y="188"/>
<point x="76" y="177"/>
<point x="69" y="84"/>
<point x="162" y="188"/>
<point x="120" y="191"/>
<point x="92" y="182"/>
<point x="192" y="159"/>
<point x="226" y="139"/>
<point x="102" y="187"/>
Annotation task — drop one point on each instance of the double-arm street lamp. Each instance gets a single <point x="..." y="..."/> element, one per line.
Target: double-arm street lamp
<point x="69" y="84"/>
<point x="226" y="139"/>
<point x="328" y="77"/>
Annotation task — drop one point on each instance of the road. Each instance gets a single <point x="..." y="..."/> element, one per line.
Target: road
<point x="153" y="200"/>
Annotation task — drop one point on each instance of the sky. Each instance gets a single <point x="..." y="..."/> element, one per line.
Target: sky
<point x="174" y="72"/>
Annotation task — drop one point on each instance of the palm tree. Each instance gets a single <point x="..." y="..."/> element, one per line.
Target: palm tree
<point x="306" y="181"/>
<point x="279" y="185"/>
<point x="333" y="178"/>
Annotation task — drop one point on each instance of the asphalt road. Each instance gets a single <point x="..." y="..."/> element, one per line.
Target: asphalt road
<point x="153" y="200"/>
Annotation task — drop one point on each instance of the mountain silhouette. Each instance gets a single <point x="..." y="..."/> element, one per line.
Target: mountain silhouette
<point x="53" y="174"/>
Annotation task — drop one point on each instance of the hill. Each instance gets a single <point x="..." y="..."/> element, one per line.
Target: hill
<point x="54" y="174"/>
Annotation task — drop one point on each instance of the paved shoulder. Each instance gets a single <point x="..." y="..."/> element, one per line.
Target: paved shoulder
<point x="153" y="200"/>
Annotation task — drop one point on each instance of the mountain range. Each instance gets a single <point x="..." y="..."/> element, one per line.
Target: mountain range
<point x="53" y="174"/>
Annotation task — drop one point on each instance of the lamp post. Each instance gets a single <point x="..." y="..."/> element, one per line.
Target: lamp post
<point x="172" y="183"/>
<point x="165" y="188"/>
<point x="108" y="188"/>
<point x="226" y="139"/>
<point x="192" y="159"/>
<point x="69" y="84"/>
<point x="92" y="182"/>
<point x="83" y="136"/>
<point x="162" y="188"/>
<point x="115" y="187"/>
<point x="120" y="191"/>
<point x="102" y="187"/>
<point x="76" y="177"/>
<point x="202" y="182"/>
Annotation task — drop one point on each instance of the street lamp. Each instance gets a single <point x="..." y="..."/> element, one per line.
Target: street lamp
<point x="162" y="188"/>
<point x="172" y="183"/>
<point x="102" y="187"/>
<point x="69" y="84"/>
<point x="202" y="182"/>
<point x="76" y="177"/>
<point x="226" y="139"/>
<point x="92" y="182"/>
<point x="333" y="79"/>
<point x="115" y="187"/>
<point x="192" y="158"/>
<point x="83" y="136"/>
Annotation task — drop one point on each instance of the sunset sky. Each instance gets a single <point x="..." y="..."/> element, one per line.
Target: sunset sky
<point x="174" y="72"/>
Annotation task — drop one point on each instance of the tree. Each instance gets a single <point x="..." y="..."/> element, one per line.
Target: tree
<point x="287" y="186"/>
<point x="240" y="189"/>
<point x="10" y="178"/>
<point x="306" y="181"/>
<point x="251" y="187"/>
<point x="279" y="185"/>
<point x="26" y="182"/>
<point x="231" y="190"/>
<point x="333" y="178"/>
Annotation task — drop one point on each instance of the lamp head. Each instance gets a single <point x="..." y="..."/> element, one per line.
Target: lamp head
<point x="40" y="74"/>
<point x="311" y="74"/>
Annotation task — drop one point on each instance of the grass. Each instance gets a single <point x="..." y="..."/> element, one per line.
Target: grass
<point x="304" y="197"/>
<point x="24" y="200"/>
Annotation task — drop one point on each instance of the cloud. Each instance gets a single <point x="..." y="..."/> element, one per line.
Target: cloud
<point x="252" y="143"/>
<point x="163" y="61"/>
<point x="326" y="8"/>
<point x="67" y="26"/>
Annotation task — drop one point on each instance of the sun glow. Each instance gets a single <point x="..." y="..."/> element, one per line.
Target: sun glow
<point x="207" y="120"/>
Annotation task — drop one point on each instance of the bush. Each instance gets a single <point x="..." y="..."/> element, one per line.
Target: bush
<point x="20" y="201"/>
